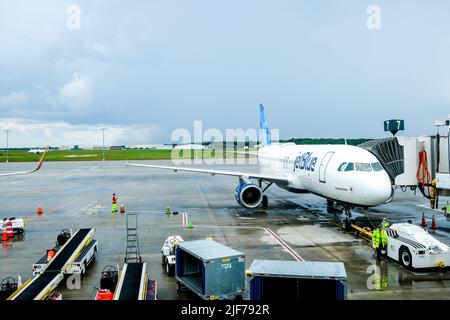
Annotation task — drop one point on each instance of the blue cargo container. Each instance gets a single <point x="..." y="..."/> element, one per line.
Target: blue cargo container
<point x="210" y="269"/>
<point x="292" y="280"/>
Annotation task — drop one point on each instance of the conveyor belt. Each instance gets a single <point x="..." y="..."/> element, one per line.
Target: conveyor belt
<point x="54" y="269"/>
<point x="132" y="282"/>
<point x="61" y="258"/>
<point x="37" y="286"/>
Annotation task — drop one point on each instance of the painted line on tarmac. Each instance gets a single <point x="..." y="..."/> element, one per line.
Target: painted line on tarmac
<point x="184" y="219"/>
<point x="278" y="239"/>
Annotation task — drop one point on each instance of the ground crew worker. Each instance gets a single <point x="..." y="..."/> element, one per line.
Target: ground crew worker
<point x="383" y="241"/>
<point x="385" y="223"/>
<point x="379" y="241"/>
<point x="433" y="194"/>
<point x="114" y="203"/>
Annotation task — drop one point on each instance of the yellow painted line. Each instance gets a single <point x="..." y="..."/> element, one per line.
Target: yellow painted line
<point x="15" y="293"/>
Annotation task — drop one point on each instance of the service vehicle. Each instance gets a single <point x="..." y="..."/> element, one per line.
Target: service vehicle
<point x="415" y="248"/>
<point x="18" y="225"/>
<point x="78" y="266"/>
<point x="168" y="259"/>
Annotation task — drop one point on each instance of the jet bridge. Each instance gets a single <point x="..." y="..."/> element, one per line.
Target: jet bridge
<point x="41" y="285"/>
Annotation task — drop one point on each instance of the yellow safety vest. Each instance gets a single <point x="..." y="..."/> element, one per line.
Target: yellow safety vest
<point x="385" y="225"/>
<point x="376" y="238"/>
<point x="383" y="238"/>
<point x="447" y="209"/>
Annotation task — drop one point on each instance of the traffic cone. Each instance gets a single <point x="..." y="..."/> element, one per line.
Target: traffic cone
<point x="40" y="210"/>
<point x="9" y="230"/>
<point x="168" y="210"/>
<point x="122" y="208"/>
<point x="189" y="226"/>
<point x="424" y="223"/>
<point x="433" y="223"/>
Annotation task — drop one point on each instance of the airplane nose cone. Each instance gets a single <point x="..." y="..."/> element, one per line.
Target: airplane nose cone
<point x="382" y="189"/>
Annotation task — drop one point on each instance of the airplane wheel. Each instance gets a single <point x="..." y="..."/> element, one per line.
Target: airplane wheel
<point x="265" y="201"/>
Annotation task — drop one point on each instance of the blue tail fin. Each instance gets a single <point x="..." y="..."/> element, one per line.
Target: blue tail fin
<point x="263" y="127"/>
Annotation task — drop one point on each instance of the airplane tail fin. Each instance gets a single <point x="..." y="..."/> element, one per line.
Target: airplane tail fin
<point x="264" y="130"/>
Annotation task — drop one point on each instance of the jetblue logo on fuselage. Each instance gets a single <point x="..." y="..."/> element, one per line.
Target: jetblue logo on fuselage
<point x="305" y="161"/>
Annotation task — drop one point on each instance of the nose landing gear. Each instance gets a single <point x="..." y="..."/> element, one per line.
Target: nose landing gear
<point x="347" y="222"/>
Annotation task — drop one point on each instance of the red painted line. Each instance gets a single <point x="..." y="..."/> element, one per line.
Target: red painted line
<point x="291" y="251"/>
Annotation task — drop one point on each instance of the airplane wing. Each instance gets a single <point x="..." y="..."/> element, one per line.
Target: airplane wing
<point x="27" y="172"/>
<point x="249" y="175"/>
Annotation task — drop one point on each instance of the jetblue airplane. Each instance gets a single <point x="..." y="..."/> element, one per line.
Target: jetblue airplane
<point x="27" y="172"/>
<point x="345" y="175"/>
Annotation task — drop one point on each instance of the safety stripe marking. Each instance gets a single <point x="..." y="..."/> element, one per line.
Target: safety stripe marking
<point x="278" y="239"/>
<point x="184" y="219"/>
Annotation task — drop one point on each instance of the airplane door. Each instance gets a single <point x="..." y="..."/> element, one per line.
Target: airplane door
<point x="323" y="165"/>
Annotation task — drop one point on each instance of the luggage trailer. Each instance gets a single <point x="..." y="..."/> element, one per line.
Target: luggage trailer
<point x="39" y="287"/>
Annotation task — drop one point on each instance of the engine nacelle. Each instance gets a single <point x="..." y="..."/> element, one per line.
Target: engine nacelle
<point x="248" y="195"/>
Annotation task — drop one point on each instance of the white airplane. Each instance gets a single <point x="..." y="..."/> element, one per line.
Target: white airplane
<point x="27" y="172"/>
<point x="346" y="175"/>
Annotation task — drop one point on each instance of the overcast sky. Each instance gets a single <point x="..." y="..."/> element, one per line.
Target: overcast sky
<point x="145" y="68"/>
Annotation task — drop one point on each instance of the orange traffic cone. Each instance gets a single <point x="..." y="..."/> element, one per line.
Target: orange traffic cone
<point x="424" y="223"/>
<point x="433" y="223"/>
<point x="122" y="208"/>
<point x="39" y="210"/>
<point x="9" y="230"/>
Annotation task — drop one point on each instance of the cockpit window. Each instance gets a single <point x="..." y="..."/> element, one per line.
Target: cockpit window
<point x="342" y="166"/>
<point x="350" y="166"/>
<point x="377" y="166"/>
<point x="363" y="167"/>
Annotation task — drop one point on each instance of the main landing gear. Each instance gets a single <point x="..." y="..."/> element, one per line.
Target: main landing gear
<point x="265" y="199"/>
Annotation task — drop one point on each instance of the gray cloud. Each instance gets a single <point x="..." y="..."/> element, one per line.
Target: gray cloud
<point x="315" y="65"/>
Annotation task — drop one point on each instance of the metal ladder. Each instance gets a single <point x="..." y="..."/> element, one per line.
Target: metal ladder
<point x="132" y="253"/>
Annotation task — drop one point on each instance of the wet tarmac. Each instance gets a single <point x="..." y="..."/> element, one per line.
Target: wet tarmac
<point x="78" y="194"/>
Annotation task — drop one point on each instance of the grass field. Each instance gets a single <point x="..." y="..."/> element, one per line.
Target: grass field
<point x="97" y="155"/>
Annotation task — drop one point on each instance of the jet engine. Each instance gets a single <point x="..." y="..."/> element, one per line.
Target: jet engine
<point x="248" y="195"/>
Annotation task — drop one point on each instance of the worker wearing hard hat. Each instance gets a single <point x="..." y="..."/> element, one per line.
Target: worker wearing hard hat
<point x="433" y="194"/>
<point x="379" y="241"/>
<point x="385" y="223"/>
<point x="114" y="203"/>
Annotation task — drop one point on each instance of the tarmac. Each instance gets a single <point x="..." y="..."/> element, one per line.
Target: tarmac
<point x="78" y="194"/>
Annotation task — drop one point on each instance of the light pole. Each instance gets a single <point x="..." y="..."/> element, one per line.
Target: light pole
<point x="7" y="144"/>
<point x="103" y="130"/>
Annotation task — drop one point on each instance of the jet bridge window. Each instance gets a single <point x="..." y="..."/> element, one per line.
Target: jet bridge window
<point x="342" y="166"/>
<point x="377" y="166"/>
<point x="350" y="166"/>
<point x="363" y="167"/>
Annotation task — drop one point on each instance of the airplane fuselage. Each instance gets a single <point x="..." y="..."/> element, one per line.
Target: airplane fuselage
<point x="342" y="173"/>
